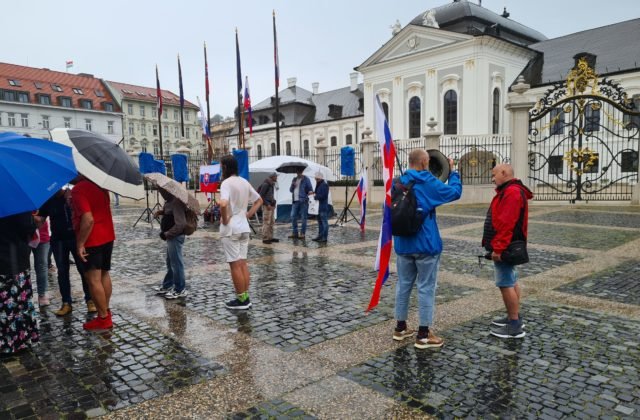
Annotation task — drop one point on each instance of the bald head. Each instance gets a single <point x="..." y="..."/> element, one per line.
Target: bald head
<point x="502" y="173"/>
<point x="419" y="160"/>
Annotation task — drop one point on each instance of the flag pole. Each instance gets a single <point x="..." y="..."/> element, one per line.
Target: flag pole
<point x="159" y="110"/>
<point x="277" y="83"/>
<point x="181" y="97"/>
<point x="206" y="77"/>
<point x="239" y="95"/>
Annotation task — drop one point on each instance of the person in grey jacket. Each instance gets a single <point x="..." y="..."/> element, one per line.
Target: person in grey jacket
<point x="266" y="191"/>
<point x="172" y="230"/>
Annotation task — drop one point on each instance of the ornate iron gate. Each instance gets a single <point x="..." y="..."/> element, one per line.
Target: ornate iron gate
<point x="584" y="140"/>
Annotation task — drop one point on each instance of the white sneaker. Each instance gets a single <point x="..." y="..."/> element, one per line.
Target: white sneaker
<point x="161" y="290"/>
<point x="175" y="295"/>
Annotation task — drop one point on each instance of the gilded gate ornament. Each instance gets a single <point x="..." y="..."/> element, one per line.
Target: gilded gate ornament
<point x="586" y="156"/>
<point x="580" y="78"/>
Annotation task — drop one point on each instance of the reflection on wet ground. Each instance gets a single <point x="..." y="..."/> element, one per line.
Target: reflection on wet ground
<point x="195" y="358"/>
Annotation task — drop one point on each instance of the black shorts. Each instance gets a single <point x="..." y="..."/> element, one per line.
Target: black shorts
<point x="99" y="257"/>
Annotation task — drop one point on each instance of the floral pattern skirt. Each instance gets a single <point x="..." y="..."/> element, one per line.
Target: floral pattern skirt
<point x="18" y="315"/>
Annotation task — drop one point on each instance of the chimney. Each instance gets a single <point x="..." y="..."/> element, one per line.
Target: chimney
<point x="291" y="82"/>
<point x="354" y="81"/>
<point x="314" y="87"/>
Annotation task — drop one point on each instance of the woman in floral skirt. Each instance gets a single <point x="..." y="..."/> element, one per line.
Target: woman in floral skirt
<point x="18" y="317"/>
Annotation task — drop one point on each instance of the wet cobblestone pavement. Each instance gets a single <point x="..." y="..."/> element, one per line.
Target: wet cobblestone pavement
<point x="575" y="364"/>
<point x="620" y="283"/>
<point x="307" y="349"/>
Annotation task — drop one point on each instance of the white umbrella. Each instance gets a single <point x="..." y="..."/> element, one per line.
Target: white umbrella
<point x="102" y="161"/>
<point x="176" y="189"/>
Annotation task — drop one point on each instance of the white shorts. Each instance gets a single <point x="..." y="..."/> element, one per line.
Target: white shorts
<point x="236" y="246"/>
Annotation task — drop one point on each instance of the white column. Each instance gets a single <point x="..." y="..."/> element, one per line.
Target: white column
<point x="518" y="107"/>
<point x="398" y="110"/>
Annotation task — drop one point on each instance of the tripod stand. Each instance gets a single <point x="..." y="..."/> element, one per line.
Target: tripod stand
<point x="346" y="215"/>
<point x="147" y="213"/>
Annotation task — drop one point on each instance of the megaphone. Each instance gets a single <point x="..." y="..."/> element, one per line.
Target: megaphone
<point x="438" y="164"/>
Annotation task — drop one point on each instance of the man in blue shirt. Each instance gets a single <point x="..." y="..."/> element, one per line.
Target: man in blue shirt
<point x="300" y="188"/>
<point x="418" y="255"/>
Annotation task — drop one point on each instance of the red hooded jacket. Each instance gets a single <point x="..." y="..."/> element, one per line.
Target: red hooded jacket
<point x="506" y="207"/>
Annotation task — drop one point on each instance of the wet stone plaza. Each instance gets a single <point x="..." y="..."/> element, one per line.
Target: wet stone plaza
<point x="307" y="349"/>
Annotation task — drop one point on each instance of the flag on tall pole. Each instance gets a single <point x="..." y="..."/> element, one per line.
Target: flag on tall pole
<point x="385" y="241"/>
<point x="362" y="198"/>
<point x="206" y="88"/>
<point x="159" y="108"/>
<point x="205" y="131"/>
<point x="181" y="97"/>
<point x="239" y="95"/>
<point x="247" y="104"/>
<point x="276" y="66"/>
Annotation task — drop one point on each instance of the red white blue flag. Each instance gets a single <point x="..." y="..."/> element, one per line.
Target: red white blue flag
<point x="247" y="104"/>
<point x="362" y="198"/>
<point x="385" y="242"/>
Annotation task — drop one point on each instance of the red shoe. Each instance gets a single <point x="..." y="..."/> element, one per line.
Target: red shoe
<point x="98" y="323"/>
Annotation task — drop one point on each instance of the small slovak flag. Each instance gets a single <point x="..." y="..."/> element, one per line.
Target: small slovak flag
<point x="362" y="198"/>
<point x="69" y="64"/>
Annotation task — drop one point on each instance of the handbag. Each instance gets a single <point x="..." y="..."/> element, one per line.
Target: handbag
<point x="516" y="253"/>
<point x="314" y="206"/>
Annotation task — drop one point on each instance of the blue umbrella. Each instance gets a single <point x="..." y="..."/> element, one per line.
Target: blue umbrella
<point x="31" y="170"/>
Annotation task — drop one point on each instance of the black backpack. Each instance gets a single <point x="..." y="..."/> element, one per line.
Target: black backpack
<point x="406" y="217"/>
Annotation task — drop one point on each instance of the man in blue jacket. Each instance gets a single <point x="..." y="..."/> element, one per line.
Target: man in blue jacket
<point x="418" y="255"/>
<point x="321" y="194"/>
<point x="300" y="188"/>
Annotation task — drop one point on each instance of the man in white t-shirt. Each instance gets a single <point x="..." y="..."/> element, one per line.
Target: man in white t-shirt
<point x="235" y="195"/>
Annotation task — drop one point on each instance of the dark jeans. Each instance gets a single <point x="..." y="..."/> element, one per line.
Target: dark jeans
<point x="175" y="265"/>
<point x="323" y="224"/>
<point x="61" y="251"/>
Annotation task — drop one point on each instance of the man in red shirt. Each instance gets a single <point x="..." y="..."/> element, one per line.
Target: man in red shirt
<point x="93" y="226"/>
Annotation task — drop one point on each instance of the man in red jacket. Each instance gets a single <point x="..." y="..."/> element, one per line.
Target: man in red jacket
<point x="506" y="222"/>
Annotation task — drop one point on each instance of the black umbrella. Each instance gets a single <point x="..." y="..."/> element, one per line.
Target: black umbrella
<point x="102" y="161"/>
<point x="291" y="167"/>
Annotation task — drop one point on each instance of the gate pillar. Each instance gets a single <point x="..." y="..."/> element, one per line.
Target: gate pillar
<point x="518" y="107"/>
<point x="368" y="156"/>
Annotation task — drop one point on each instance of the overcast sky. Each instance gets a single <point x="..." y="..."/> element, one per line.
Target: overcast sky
<point x="319" y="41"/>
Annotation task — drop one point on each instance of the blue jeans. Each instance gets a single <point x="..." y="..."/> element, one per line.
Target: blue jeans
<point x="175" y="265"/>
<point x="505" y="274"/>
<point x="61" y="250"/>
<point x="323" y="224"/>
<point x="422" y="270"/>
<point x="41" y="266"/>
<point x="299" y="208"/>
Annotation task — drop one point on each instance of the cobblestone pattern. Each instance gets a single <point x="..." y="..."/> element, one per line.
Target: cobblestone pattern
<point x="593" y="218"/>
<point x="146" y="259"/>
<point x="620" y="284"/>
<point x="74" y="374"/>
<point x="569" y="236"/>
<point x="305" y="302"/>
<point x="462" y="257"/>
<point x="338" y="235"/>
<point x="274" y="409"/>
<point x="572" y="363"/>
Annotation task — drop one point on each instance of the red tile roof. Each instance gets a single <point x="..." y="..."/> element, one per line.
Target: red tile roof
<point x="39" y="81"/>
<point x="147" y="94"/>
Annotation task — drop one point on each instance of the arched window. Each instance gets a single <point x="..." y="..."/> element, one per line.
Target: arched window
<point x="495" y="122"/>
<point x="349" y="139"/>
<point x="156" y="148"/>
<point x="259" y="148"/>
<point x="451" y="112"/>
<point x="385" y="109"/>
<point x="414" y="117"/>
<point x="334" y="141"/>
<point x="287" y="148"/>
<point x="144" y="144"/>
<point x="305" y="147"/>
<point x="273" y="149"/>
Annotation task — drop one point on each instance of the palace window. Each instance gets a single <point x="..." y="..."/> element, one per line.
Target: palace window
<point x="556" y="165"/>
<point x="557" y="117"/>
<point x="592" y="119"/>
<point x="25" y="120"/>
<point x="348" y="139"/>
<point x="87" y="125"/>
<point x="629" y="161"/>
<point x="305" y="148"/>
<point x="132" y="128"/>
<point x="109" y="127"/>
<point x="45" y="121"/>
<point x="288" y="148"/>
<point x="273" y="149"/>
<point x="495" y="120"/>
<point x="130" y="109"/>
<point x="334" y="141"/>
<point x="450" y="112"/>
<point x="259" y="148"/>
<point x="142" y="110"/>
<point x="414" y="117"/>
<point x="12" y="119"/>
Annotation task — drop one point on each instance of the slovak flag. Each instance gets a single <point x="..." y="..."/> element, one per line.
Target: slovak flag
<point x="385" y="242"/>
<point x="362" y="198"/>
<point x="247" y="104"/>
